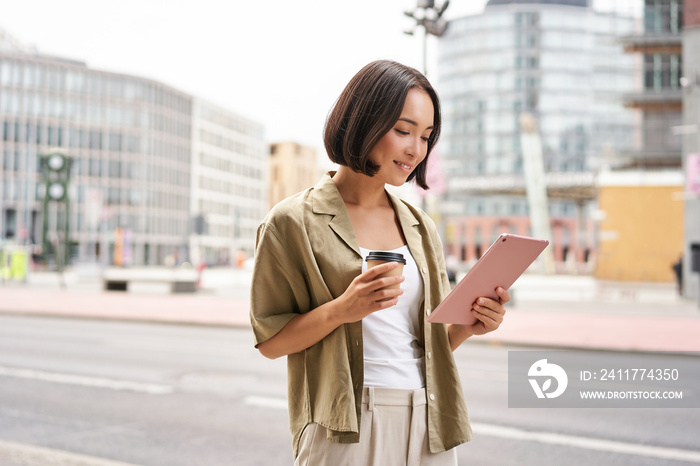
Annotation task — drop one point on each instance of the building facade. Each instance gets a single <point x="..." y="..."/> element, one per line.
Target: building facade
<point x="293" y="168"/>
<point x="135" y="144"/>
<point x="640" y="233"/>
<point x="659" y="96"/>
<point x="648" y="182"/>
<point x="228" y="179"/>
<point x="561" y="62"/>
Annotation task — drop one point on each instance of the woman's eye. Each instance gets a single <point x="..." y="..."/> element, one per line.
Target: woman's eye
<point x="402" y="132"/>
<point x="425" y="139"/>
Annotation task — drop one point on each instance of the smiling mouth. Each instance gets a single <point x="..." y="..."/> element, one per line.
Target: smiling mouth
<point x="403" y="165"/>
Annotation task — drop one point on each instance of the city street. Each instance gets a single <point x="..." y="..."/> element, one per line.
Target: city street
<point x="105" y="393"/>
<point x="158" y="203"/>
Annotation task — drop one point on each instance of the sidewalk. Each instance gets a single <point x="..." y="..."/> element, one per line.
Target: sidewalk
<point x="547" y="311"/>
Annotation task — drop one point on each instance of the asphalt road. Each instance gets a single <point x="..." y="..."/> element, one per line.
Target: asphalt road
<point x="96" y="393"/>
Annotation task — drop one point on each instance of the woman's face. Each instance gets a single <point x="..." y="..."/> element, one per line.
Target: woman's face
<point x="405" y="146"/>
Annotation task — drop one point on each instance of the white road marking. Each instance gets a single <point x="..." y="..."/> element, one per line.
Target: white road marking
<point x="86" y="381"/>
<point x="30" y="455"/>
<point x="266" y="402"/>
<point x="551" y="438"/>
<point x="199" y="347"/>
<point x="587" y="443"/>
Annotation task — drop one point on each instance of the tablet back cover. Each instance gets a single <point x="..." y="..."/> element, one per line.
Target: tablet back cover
<point x="501" y="265"/>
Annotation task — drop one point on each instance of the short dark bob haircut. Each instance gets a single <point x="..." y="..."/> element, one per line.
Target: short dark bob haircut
<point x="368" y="108"/>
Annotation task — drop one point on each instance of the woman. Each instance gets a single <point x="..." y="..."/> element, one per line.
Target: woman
<point x="370" y="381"/>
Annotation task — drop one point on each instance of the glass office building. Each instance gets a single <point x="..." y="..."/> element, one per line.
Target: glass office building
<point x="135" y="144"/>
<point x="229" y="183"/>
<point x="559" y="61"/>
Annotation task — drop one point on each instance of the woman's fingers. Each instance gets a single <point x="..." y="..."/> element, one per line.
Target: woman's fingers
<point x="376" y="283"/>
<point x="487" y="315"/>
<point x="370" y="293"/>
<point x="503" y="294"/>
<point x="386" y="293"/>
<point x="489" y="311"/>
<point x="381" y="283"/>
<point x="374" y="272"/>
<point x="495" y="306"/>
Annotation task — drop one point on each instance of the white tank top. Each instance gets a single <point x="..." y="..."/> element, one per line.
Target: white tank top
<point x="393" y="357"/>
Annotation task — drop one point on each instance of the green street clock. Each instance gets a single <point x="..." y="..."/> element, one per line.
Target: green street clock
<point x="57" y="191"/>
<point x="56" y="169"/>
<point x="56" y="162"/>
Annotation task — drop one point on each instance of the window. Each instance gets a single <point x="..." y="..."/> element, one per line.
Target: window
<point x="115" y="142"/>
<point x="5" y="73"/>
<point x="74" y="137"/>
<point x="663" y="16"/>
<point x="662" y="71"/>
<point x="10" y="223"/>
<point x="95" y="140"/>
<point x="95" y="167"/>
<point x="114" y="169"/>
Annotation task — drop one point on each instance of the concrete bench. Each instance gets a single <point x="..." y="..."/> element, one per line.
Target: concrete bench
<point x="178" y="280"/>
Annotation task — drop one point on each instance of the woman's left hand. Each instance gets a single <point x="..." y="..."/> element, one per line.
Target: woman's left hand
<point x="489" y="312"/>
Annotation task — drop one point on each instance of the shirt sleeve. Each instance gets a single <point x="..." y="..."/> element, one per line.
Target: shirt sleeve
<point x="278" y="289"/>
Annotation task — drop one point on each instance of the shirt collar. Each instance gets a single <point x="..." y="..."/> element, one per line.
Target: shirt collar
<point x="326" y="200"/>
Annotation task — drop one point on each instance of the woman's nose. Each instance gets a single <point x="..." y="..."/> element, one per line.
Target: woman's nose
<point x="412" y="147"/>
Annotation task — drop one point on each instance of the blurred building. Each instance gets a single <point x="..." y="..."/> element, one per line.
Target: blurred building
<point x="641" y="225"/>
<point x="659" y="98"/>
<point x="293" y="168"/>
<point x="229" y="175"/>
<point x="561" y="62"/>
<point x="647" y="181"/>
<point x="137" y="144"/>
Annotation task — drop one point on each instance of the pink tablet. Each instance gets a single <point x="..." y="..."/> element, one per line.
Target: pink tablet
<point x="502" y="263"/>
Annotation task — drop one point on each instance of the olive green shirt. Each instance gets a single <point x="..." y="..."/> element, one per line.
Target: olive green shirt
<point x="307" y="255"/>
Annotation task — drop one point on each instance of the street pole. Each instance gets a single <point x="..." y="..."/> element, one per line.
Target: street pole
<point x="425" y="51"/>
<point x="536" y="186"/>
<point x="56" y="167"/>
<point x="429" y="17"/>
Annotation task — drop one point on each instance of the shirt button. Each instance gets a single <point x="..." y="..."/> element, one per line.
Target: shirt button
<point x="357" y="342"/>
<point x="432" y="397"/>
<point x="429" y="355"/>
<point x="427" y="311"/>
<point x="424" y="269"/>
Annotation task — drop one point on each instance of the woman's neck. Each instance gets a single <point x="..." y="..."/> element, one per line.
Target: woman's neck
<point x="360" y="189"/>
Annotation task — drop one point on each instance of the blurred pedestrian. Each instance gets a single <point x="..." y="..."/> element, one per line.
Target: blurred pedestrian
<point x="170" y="260"/>
<point x="678" y="271"/>
<point x="370" y="381"/>
<point x="452" y="264"/>
<point x="36" y="256"/>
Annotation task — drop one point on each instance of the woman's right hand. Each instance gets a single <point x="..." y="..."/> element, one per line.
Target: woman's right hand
<point x="366" y="295"/>
<point x="363" y="297"/>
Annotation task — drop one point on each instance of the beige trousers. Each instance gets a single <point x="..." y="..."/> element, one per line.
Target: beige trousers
<point x="392" y="433"/>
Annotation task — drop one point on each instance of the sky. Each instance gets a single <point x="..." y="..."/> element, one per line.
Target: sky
<point x="281" y="63"/>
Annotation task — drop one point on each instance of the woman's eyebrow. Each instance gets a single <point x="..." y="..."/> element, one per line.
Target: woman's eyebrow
<point x="408" y="120"/>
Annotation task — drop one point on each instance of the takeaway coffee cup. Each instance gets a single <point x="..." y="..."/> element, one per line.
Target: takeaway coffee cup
<point x="375" y="258"/>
